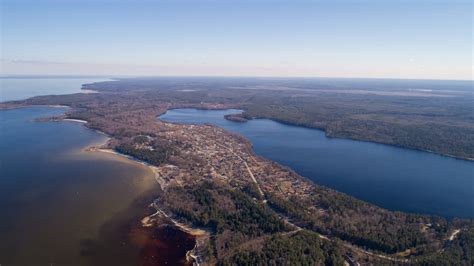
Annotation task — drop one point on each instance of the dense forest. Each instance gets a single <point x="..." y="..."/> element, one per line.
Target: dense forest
<point x="458" y="252"/>
<point x="291" y="249"/>
<point x="234" y="216"/>
<point x="361" y="223"/>
<point x="140" y="147"/>
<point x="249" y="232"/>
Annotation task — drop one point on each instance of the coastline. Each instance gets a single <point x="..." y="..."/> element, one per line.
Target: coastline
<point x="87" y="91"/>
<point x="6" y="106"/>
<point x="201" y="236"/>
<point x="72" y="185"/>
<point x="75" y="120"/>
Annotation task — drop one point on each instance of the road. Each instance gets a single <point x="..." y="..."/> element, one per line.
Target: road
<point x="246" y="166"/>
<point x="326" y="238"/>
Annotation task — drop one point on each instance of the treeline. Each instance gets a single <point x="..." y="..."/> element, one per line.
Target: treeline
<point x="155" y="157"/>
<point x="146" y="148"/>
<point x="443" y="127"/>
<point x="242" y="214"/>
<point x="236" y="118"/>
<point x="359" y="223"/>
<point x="301" y="248"/>
<point x="236" y="217"/>
<point x="460" y="251"/>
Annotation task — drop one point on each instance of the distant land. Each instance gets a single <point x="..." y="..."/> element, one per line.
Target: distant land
<point x="428" y="115"/>
<point x="245" y="209"/>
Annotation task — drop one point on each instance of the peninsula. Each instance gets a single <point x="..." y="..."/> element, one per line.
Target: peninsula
<point x="255" y="211"/>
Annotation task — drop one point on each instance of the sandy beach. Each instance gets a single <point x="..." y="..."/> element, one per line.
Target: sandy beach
<point x="201" y="236"/>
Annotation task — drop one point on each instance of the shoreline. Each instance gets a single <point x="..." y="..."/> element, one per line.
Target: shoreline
<point x="4" y="106"/>
<point x="313" y="182"/>
<point x="197" y="233"/>
<point x="87" y="91"/>
<point x="155" y="169"/>
<point x="75" y="120"/>
<point x="469" y="159"/>
<point x="200" y="236"/>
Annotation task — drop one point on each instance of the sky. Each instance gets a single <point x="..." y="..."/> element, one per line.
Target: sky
<point x="418" y="39"/>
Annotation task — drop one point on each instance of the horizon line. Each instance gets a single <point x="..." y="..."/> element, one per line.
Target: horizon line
<point x="6" y="76"/>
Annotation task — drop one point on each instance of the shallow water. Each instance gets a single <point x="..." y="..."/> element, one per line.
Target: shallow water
<point x="53" y="197"/>
<point x="391" y="177"/>
<point x="61" y="205"/>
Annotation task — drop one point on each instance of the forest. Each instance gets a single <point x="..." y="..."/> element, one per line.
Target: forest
<point x="235" y="218"/>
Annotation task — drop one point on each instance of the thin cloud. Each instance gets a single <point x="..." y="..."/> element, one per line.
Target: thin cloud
<point x="34" y="62"/>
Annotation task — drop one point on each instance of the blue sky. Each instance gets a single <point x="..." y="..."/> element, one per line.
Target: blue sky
<point x="394" y="39"/>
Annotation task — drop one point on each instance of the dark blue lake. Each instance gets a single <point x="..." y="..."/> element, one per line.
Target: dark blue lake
<point x="390" y="177"/>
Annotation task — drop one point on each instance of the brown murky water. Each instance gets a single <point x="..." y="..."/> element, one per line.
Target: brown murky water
<point x="64" y="207"/>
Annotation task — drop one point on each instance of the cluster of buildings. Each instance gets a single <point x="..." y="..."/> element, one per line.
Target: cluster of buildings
<point x="206" y="152"/>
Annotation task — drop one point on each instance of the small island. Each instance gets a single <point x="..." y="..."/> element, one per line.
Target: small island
<point x="240" y="118"/>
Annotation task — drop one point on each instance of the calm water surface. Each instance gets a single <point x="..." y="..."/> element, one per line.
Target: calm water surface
<point x="58" y="203"/>
<point x="391" y="177"/>
<point x="63" y="206"/>
<point x="21" y="88"/>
